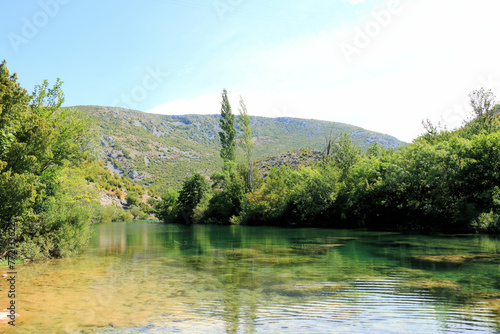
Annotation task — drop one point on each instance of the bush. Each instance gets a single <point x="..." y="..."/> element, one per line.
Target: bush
<point x="125" y="216"/>
<point x="314" y="194"/>
<point x="167" y="207"/>
<point x="135" y="211"/>
<point x="228" y="202"/>
<point x="132" y="199"/>
<point x="270" y="203"/>
<point x="62" y="230"/>
<point x="193" y="189"/>
<point x="487" y="222"/>
<point x="201" y="210"/>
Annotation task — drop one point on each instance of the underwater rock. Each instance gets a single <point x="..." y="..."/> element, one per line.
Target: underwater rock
<point x="237" y="253"/>
<point x="434" y="285"/>
<point x="301" y="290"/>
<point x="458" y="258"/>
<point x="453" y="259"/>
<point x="325" y="240"/>
<point x="243" y="279"/>
<point x="404" y="272"/>
<point x="479" y="282"/>
<point x="201" y="262"/>
<point x="489" y="300"/>
<point x="314" y="249"/>
<point x="283" y="260"/>
<point x="280" y="277"/>
<point x="408" y="244"/>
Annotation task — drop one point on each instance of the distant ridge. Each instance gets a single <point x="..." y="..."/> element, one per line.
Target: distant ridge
<point x="161" y="150"/>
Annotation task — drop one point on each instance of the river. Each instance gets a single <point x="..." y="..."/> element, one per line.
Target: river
<point x="156" y="278"/>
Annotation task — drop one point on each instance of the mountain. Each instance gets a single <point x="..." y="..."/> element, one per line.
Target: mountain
<point x="159" y="151"/>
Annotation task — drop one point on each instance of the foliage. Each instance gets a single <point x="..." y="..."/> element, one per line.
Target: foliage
<point x="315" y="193"/>
<point x="132" y="199"/>
<point x="484" y="109"/>
<point x="252" y="181"/>
<point x="135" y="211"/>
<point x="192" y="192"/>
<point x="201" y="209"/>
<point x="343" y="153"/>
<point x="167" y="207"/>
<point x="96" y="173"/>
<point x="62" y="227"/>
<point x="445" y="181"/>
<point x="112" y="213"/>
<point x="246" y="142"/>
<point x="269" y="204"/>
<point x="41" y="190"/>
<point x="228" y="131"/>
<point x="229" y="191"/>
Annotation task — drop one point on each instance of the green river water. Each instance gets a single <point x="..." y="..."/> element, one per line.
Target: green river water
<point x="155" y="278"/>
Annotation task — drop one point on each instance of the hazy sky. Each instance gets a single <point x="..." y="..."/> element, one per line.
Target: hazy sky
<point x="382" y="65"/>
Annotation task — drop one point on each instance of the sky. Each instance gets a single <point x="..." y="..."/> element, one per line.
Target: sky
<point x="381" y="65"/>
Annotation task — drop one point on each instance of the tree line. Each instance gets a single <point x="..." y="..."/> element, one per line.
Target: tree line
<point x="447" y="181"/>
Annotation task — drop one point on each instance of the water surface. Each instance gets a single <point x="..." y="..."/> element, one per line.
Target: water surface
<point x="155" y="278"/>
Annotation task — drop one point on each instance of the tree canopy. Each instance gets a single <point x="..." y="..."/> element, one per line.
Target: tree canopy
<point x="39" y="143"/>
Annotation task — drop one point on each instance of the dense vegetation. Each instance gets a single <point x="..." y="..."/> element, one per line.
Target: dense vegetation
<point x="51" y="184"/>
<point x="444" y="181"/>
<point x="39" y="191"/>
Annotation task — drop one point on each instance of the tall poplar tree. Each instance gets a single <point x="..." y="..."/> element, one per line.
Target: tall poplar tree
<point x="246" y="143"/>
<point x="228" y="131"/>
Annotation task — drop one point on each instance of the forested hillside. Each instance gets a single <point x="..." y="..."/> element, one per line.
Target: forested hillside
<point x="160" y="151"/>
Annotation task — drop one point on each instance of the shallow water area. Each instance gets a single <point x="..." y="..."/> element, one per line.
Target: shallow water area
<point x="155" y="278"/>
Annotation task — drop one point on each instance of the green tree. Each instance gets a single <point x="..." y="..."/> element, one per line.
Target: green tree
<point x="14" y="102"/>
<point x="153" y="204"/>
<point x="135" y="211"/>
<point x="132" y="199"/>
<point x="269" y="204"/>
<point x="193" y="189"/>
<point x="229" y="191"/>
<point x="167" y="208"/>
<point x="246" y="142"/>
<point x="433" y="133"/>
<point x="314" y="194"/>
<point x="374" y="150"/>
<point x="17" y="196"/>
<point x="228" y="131"/>
<point x="39" y="140"/>
<point x="344" y="153"/>
<point x="484" y="109"/>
